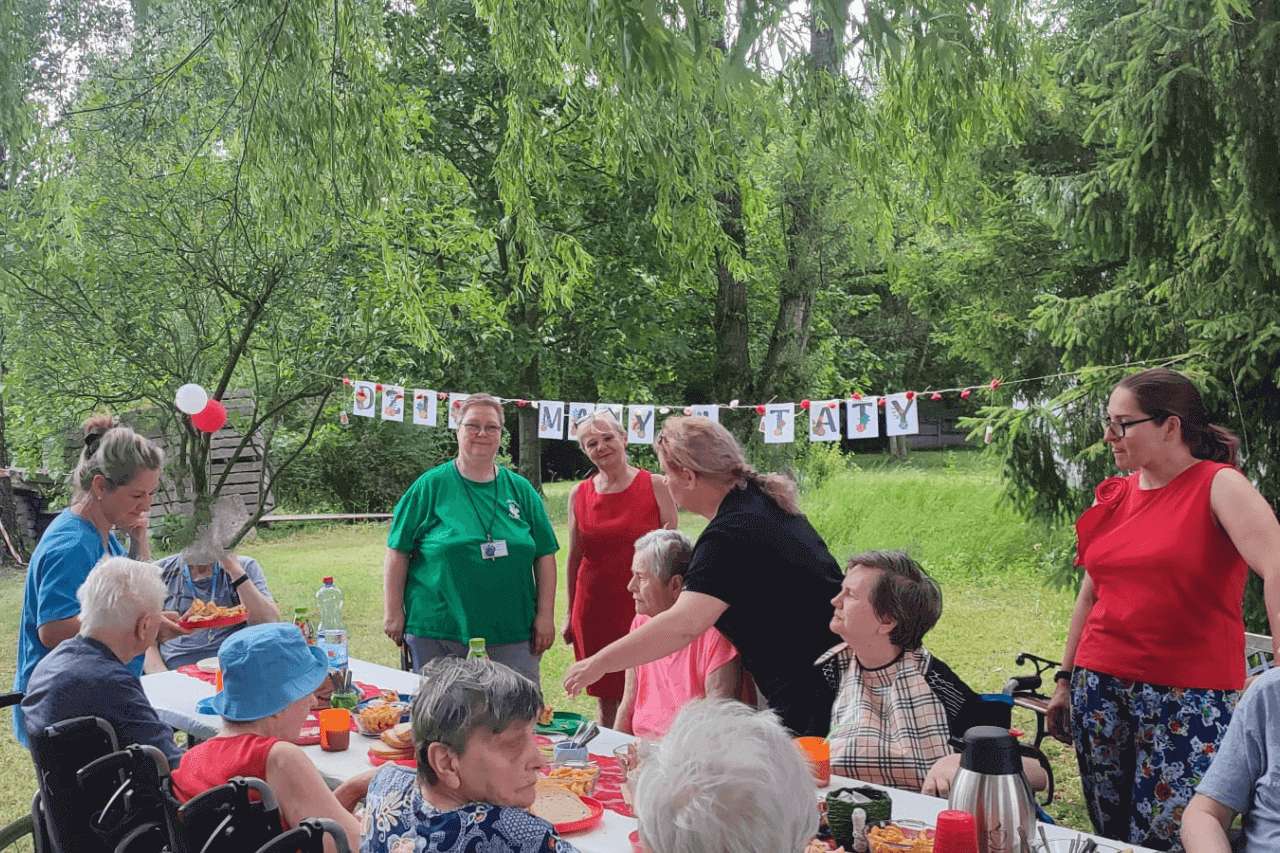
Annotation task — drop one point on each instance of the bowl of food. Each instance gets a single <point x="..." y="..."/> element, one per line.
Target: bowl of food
<point x="579" y="778"/>
<point x="900" y="836"/>
<point x="375" y="716"/>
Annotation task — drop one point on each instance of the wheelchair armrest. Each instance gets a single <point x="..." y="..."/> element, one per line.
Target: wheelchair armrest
<point x="1022" y="684"/>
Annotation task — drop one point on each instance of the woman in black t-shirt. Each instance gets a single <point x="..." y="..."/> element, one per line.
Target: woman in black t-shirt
<point x="760" y="574"/>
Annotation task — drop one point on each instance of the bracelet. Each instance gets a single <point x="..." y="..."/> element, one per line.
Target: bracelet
<point x="235" y="584"/>
<point x="1060" y="675"/>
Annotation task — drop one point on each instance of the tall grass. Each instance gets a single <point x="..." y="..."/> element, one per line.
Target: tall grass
<point x="944" y="507"/>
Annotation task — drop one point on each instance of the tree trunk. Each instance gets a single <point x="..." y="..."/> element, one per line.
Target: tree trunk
<point x="731" y="373"/>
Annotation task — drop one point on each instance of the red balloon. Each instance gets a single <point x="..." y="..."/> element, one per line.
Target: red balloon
<point x="910" y="394"/>
<point x="935" y="396"/>
<point x="211" y="418"/>
<point x="804" y="404"/>
<point x="759" y="410"/>
<point x="965" y="393"/>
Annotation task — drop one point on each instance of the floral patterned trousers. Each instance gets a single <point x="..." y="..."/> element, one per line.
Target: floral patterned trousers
<point x="1142" y="749"/>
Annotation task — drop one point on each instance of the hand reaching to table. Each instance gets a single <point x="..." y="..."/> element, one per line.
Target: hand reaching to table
<point x="581" y="674"/>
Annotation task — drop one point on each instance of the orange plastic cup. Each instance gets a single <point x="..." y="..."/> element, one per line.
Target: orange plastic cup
<point x="818" y="752"/>
<point x="335" y="729"/>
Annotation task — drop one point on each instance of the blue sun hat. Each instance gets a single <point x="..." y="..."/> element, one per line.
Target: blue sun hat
<point x="265" y="669"/>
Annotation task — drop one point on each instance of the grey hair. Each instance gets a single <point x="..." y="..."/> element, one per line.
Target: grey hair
<point x="725" y="778"/>
<point x="601" y="420"/>
<point x="117" y="454"/>
<point x="457" y="697"/>
<point x="666" y="552"/>
<point x="118" y="592"/>
<point x="481" y="400"/>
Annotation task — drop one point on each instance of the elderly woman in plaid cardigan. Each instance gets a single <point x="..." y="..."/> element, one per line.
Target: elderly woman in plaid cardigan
<point x="898" y="707"/>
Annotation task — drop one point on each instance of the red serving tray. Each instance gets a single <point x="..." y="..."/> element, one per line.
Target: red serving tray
<point x="597" y="812"/>
<point x="219" y="622"/>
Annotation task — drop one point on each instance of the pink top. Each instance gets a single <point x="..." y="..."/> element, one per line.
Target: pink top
<point x="1169" y="584"/>
<point x="664" y="686"/>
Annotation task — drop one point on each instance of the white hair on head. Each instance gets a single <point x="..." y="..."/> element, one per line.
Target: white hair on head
<point x="725" y="779"/>
<point x="118" y="592"/>
<point x="665" y="552"/>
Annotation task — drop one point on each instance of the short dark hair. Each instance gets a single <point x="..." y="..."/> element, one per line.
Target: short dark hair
<point x="1161" y="393"/>
<point x="904" y="593"/>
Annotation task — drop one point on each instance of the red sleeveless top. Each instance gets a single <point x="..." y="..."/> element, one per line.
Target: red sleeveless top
<point x="1169" y="584"/>
<point x="217" y="760"/>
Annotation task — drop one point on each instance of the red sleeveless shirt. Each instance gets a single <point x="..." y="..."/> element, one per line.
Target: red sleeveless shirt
<point x="1169" y="584"/>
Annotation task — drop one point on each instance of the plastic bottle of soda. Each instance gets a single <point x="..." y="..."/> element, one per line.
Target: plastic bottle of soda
<point x="331" y="634"/>
<point x="476" y="649"/>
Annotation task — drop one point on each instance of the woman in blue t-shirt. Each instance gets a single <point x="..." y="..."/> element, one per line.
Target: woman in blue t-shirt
<point x="113" y="483"/>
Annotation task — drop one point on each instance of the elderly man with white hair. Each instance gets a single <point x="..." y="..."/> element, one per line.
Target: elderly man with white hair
<point x="120" y="618"/>
<point x="725" y="779"/>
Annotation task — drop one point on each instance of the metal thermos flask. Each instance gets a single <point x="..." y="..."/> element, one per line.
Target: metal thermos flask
<point x="990" y="786"/>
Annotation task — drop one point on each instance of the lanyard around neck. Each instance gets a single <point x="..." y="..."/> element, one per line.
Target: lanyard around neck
<point x="466" y="488"/>
<point x="213" y="580"/>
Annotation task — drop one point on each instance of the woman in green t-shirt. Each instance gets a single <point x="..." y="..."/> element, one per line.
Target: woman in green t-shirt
<point x="471" y="553"/>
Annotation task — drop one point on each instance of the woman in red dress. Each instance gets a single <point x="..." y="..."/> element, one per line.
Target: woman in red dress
<point x="608" y="512"/>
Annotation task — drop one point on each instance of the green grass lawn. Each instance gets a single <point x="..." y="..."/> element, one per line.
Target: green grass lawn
<point x="943" y="506"/>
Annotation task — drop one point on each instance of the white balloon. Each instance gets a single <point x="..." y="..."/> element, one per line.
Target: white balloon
<point x="191" y="399"/>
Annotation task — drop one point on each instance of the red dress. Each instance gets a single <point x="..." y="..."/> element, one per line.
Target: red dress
<point x="608" y="527"/>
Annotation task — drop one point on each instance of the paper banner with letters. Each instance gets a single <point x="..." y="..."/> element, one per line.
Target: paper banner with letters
<point x="778" y="423"/>
<point x="455" y="400"/>
<point x="366" y="399"/>
<point x="551" y="419"/>
<point x="901" y="415"/>
<point x="424" y="407"/>
<point x="614" y="409"/>
<point x="392" y="403"/>
<point x="862" y="418"/>
<point x="640" y="425"/>
<point x="701" y="410"/>
<point x="578" y="411"/>
<point x="824" y="420"/>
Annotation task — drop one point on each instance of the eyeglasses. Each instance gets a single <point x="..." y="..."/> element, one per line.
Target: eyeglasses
<point x="487" y="429"/>
<point x="1119" y="427"/>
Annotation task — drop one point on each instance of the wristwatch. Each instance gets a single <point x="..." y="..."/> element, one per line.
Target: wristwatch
<point x="235" y="584"/>
<point x="1060" y="675"/>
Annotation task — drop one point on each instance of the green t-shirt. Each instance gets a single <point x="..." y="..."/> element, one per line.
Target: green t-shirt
<point x="452" y="592"/>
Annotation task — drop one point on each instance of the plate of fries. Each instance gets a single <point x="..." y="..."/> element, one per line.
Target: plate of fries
<point x="206" y="614"/>
<point x="580" y="778"/>
<point x="375" y="716"/>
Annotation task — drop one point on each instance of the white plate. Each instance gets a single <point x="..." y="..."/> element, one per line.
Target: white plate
<point x="209" y="665"/>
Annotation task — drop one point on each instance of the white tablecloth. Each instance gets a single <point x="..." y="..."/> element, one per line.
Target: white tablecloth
<point x="175" y="695"/>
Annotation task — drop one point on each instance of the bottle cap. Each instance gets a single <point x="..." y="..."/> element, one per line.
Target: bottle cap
<point x="328" y="580"/>
<point x="299" y="610"/>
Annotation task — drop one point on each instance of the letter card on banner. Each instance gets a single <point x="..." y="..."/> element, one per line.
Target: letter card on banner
<point x="861" y="418"/>
<point x="392" y="403"/>
<point x="640" y="425"/>
<point x="614" y="409"/>
<point x="824" y="420"/>
<point x="712" y="412"/>
<point x="366" y="399"/>
<point x="550" y="419"/>
<point x="455" y="400"/>
<point x="424" y="407"/>
<point x="578" y="411"/>
<point x="901" y="416"/>
<point x="778" y="423"/>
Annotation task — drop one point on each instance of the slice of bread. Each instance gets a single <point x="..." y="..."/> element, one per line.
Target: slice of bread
<point x="399" y="735"/>
<point x="557" y="804"/>
<point x="391" y="753"/>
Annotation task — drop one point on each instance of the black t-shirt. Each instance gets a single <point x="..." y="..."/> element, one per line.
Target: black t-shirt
<point x="778" y="578"/>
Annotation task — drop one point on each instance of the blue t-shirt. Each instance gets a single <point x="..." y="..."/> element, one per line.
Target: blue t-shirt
<point x="202" y="642"/>
<point x="493" y="829"/>
<point x="1245" y="773"/>
<point x="68" y="550"/>
<point x="83" y="677"/>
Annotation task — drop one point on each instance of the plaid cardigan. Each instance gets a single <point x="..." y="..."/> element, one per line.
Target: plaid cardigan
<point x="890" y="725"/>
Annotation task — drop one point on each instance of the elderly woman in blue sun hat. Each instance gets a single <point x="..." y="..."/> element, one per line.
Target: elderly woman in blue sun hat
<point x="269" y="675"/>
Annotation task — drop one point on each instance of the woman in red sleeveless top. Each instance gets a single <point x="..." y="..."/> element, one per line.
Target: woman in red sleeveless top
<point x="608" y="512"/>
<point x="1154" y="659"/>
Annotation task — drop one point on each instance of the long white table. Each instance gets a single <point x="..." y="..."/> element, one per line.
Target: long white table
<point x="175" y="695"/>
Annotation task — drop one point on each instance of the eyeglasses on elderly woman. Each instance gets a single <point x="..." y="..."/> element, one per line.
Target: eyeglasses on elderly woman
<point x="487" y="429"/>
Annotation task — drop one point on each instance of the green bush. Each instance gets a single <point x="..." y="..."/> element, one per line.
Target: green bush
<point x="362" y="466"/>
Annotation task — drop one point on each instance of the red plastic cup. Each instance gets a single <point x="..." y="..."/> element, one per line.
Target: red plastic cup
<point x="818" y="753"/>
<point x="956" y="831"/>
